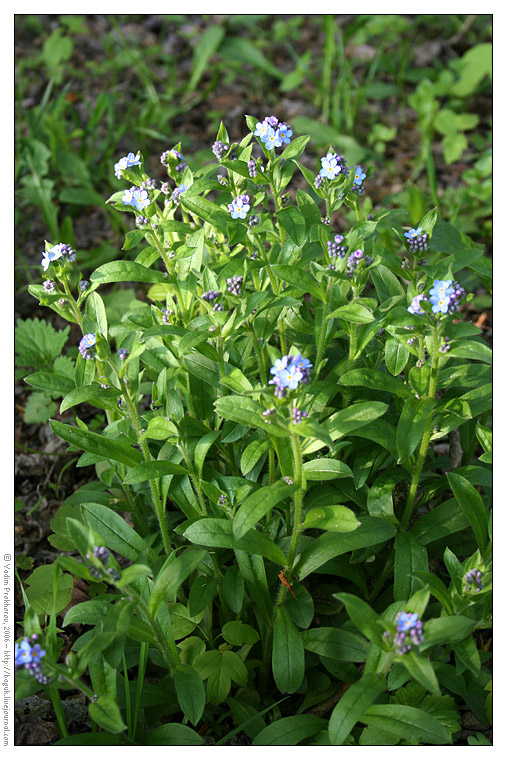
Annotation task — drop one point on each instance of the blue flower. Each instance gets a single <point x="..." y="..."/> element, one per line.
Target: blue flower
<point x="239" y="207"/>
<point x="87" y="342"/>
<point x="359" y="176"/>
<point x="54" y="253"/>
<point x="271" y="139"/>
<point x="290" y="377"/>
<point x="140" y="199"/>
<point x="406" y="621"/>
<point x="301" y="363"/>
<point x="330" y="166"/>
<point x="279" y="365"/>
<point x="126" y="162"/>
<point x="413" y="233"/>
<point x="284" y="133"/>
<point x="128" y="196"/>
<point x="261" y="128"/>
<point x="22" y="653"/>
<point x="441" y="288"/>
<point x="440" y="304"/>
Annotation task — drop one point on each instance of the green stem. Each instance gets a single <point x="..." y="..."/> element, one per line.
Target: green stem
<point x="155" y="492"/>
<point x="321" y="343"/>
<point x="72" y="301"/>
<point x="298" y="500"/>
<point x="193" y="477"/>
<point x="426" y="435"/>
<point x="54" y="695"/>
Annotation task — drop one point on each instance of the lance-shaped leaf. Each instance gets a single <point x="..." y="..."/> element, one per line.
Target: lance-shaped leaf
<point x="353" y="704"/>
<point x="257" y="504"/>
<point x="126" y="271"/>
<point x="472" y="507"/>
<point x="109" y="448"/>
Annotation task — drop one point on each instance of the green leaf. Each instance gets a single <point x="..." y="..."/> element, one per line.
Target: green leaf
<point x="353" y="312"/>
<point x="234" y="589"/>
<point x="95" y="443"/>
<point x="421" y="670"/>
<point x="202" y="593"/>
<point x="126" y="271"/>
<point x="173" y="734"/>
<point x="472" y="507"/>
<point x="352" y="706"/>
<point x="326" y="469"/>
<point x="53" y="382"/>
<point x="471" y="349"/>
<point x="88" y="393"/>
<point x="410" y="556"/>
<point x="448" y="629"/>
<point x="155" y="469"/>
<point x="437" y="588"/>
<point x="411" y="425"/>
<point x="207" y="211"/>
<point x="237" y="633"/>
<point x="372" y="378"/>
<point x="364" y="618"/>
<point x="289" y="731"/>
<point x="333" y="517"/>
<point x="107" y="714"/>
<point x="295" y="148"/>
<point x="300" y="279"/>
<point x="216" y="532"/>
<point x="247" y="412"/>
<point x="288" y="657"/>
<point x="252" y="454"/>
<point x="409" y="723"/>
<point x="397" y="356"/>
<point x="115" y="532"/>
<point x="190" y="692"/>
<point x="294" y="224"/>
<point x="208" y="43"/>
<point x="171" y="576"/>
<point x="257" y="504"/>
<point x="372" y="531"/>
<point x="39" y="589"/>
<point x="336" y="644"/>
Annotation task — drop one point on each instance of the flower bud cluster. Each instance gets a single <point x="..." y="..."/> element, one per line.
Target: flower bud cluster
<point x="234" y="285"/>
<point x="355" y="259"/>
<point x="298" y="415"/>
<point x="219" y="149"/>
<point x="335" y="249"/>
<point x="473" y="580"/>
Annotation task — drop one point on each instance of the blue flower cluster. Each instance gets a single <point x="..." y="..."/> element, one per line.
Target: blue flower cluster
<point x="29" y="656"/>
<point x="239" y="207"/>
<point x="288" y="372"/>
<point x="408" y="632"/>
<point x="407" y="623"/>
<point x="136" y="197"/>
<point x="126" y="162"/>
<point x="176" y="155"/>
<point x="178" y="191"/>
<point x="273" y="133"/>
<point x="416" y="241"/>
<point x="55" y="253"/>
<point x="332" y="166"/>
<point x="445" y="297"/>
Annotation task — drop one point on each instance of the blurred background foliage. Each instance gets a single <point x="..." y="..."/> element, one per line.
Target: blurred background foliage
<point x="409" y="95"/>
